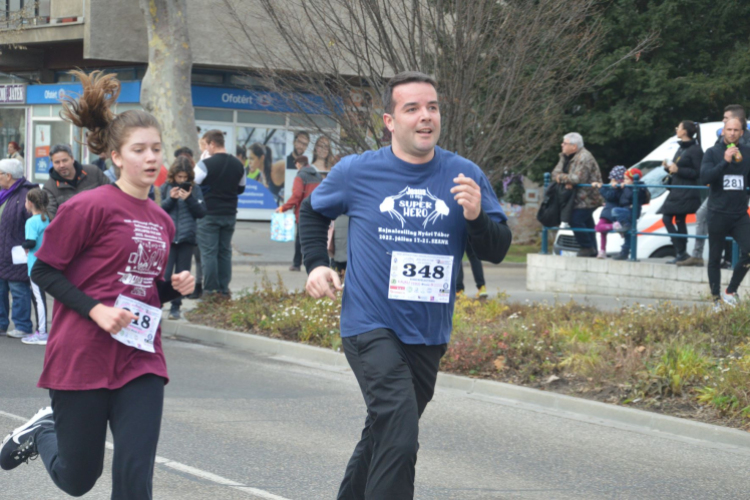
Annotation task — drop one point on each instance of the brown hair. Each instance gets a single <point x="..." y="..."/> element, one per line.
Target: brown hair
<point x="40" y="200"/>
<point x="329" y="159"/>
<point x="302" y="160"/>
<point x="401" y="79"/>
<point x="181" y="164"/>
<point x="214" y="137"/>
<point x="92" y="110"/>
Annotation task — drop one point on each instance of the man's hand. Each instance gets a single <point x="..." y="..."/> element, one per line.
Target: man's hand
<point x="729" y="154"/>
<point x="468" y="195"/>
<point x="323" y="281"/>
<point x="183" y="282"/>
<point x="111" y="319"/>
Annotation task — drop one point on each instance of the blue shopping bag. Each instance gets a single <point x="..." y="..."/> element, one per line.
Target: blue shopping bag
<point x="283" y="226"/>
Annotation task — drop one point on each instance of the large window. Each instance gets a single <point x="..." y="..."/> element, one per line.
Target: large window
<point x="12" y="129"/>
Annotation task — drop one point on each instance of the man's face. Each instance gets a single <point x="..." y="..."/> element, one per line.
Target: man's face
<point x="568" y="148"/>
<point x="415" y="121"/>
<point x="62" y="162"/>
<point x="732" y="130"/>
<point x="300" y="145"/>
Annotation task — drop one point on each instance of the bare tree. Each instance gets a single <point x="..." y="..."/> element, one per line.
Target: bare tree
<point x="165" y="90"/>
<point x="506" y="69"/>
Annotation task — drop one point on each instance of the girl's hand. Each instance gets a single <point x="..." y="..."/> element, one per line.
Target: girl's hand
<point x="183" y="282"/>
<point x="111" y="319"/>
<point x="596" y="184"/>
<point x="174" y="193"/>
<point x="184" y="195"/>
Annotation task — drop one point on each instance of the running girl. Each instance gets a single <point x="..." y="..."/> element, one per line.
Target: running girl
<point x="103" y="260"/>
<point x="36" y="203"/>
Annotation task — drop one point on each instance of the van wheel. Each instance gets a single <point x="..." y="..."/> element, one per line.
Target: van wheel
<point x="664" y="252"/>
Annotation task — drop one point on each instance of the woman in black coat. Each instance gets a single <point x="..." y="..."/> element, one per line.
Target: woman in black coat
<point x="684" y="170"/>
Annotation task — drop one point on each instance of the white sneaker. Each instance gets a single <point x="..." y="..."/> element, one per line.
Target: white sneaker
<point x="564" y="225"/>
<point x="36" y="338"/>
<point x="17" y="334"/>
<point x="730" y="299"/>
<point x="601" y="255"/>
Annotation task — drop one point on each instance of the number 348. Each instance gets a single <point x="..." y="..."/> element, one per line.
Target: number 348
<point x="437" y="272"/>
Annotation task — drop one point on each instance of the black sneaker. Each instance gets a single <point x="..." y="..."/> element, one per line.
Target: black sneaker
<point x="621" y="256"/>
<point x="174" y="314"/>
<point x="20" y="445"/>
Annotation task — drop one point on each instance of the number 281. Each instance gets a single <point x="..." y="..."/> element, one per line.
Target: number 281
<point x="410" y="270"/>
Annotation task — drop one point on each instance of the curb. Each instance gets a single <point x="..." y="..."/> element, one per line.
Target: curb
<point x="637" y="420"/>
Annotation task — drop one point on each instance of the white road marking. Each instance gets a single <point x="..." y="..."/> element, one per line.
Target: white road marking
<point x="186" y="469"/>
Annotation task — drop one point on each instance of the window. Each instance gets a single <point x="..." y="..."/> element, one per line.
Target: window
<point x="47" y="133"/>
<point x="214" y="115"/>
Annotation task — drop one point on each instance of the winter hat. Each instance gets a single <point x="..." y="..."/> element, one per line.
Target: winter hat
<point x="632" y="172"/>
<point x="617" y="173"/>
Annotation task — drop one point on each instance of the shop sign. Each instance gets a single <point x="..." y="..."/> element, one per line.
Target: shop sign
<point x="13" y="93"/>
<point x="256" y="196"/>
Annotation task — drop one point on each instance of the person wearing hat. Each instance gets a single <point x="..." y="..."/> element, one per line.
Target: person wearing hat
<point x="14" y="151"/>
<point x="624" y="213"/>
<point x="14" y="278"/>
<point x="611" y="194"/>
<point x="684" y="170"/>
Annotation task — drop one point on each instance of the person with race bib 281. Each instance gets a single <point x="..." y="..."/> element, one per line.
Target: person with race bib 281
<point x="412" y="209"/>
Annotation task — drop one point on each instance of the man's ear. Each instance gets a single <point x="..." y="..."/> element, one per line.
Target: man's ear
<point x="388" y="122"/>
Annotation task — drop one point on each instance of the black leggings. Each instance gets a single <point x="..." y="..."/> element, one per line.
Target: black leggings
<point x="719" y="227"/>
<point x="73" y="452"/>
<point x="680" y="244"/>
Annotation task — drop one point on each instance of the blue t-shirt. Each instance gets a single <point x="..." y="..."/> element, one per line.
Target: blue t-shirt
<point x="398" y="206"/>
<point x="35" y="227"/>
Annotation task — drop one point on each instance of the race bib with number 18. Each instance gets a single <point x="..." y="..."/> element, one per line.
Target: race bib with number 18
<point x="420" y="277"/>
<point x="141" y="332"/>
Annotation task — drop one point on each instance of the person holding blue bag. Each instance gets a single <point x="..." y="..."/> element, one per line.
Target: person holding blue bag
<point x="307" y="179"/>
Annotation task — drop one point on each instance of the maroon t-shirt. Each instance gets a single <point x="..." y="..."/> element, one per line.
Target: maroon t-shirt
<point x="106" y="243"/>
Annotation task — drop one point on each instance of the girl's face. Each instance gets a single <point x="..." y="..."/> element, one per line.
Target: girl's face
<point x="322" y="149"/>
<point x="256" y="162"/>
<point x="180" y="177"/>
<point x="29" y="206"/>
<point x="627" y="180"/>
<point x="139" y="158"/>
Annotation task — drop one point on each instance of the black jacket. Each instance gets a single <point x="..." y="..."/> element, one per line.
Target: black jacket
<point x="685" y="201"/>
<point x="727" y="194"/>
<point x="557" y="205"/>
<point x="184" y="213"/>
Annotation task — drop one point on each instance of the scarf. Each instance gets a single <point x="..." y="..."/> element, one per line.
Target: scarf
<point x="5" y="193"/>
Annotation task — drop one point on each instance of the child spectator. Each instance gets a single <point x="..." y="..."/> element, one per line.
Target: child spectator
<point x="624" y="213"/>
<point x="611" y="194"/>
<point x="36" y="203"/>
<point x="307" y="179"/>
<point x="183" y="201"/>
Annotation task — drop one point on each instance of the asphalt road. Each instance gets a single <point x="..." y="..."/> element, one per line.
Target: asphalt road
<point x="240" y="426"/>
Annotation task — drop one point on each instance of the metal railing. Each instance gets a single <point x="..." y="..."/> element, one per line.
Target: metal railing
<point x="633" y="232"/>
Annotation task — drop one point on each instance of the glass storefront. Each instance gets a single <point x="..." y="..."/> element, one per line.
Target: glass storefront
<point x="12" y="129"/>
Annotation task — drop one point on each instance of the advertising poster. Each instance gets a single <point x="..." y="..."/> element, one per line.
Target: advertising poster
<point x="42" y="138"/>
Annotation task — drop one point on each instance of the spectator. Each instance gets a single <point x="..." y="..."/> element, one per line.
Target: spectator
<point x="477" y="270"/>
<point x="241" y="154"/>
<point x="258" y="156"/>
<point x="611" y="195"/>
<point x="101" y="162"/>
<point x="14" y="151"/>
<point x="624" y="213"/>
<point x="183" y="201"/>
<point x="684" y="170"/>
<point x="578" y="166"/>
<point x="67" y="177"/>
<point x="36" y="204"/>
<point x="222" y="178"/>
<point x="305" y="182"/>
<point x="323" y="159"/>
<point x="14" y="278"/>
<point x="339" y="245"/>
<point x="184" y="151"/>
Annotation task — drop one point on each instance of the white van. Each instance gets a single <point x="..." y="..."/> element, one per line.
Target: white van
<point x="650" y="220"/>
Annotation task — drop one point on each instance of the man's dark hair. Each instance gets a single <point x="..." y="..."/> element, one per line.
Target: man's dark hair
<point x="183" y="152"/>
<point x="301" y="132"/>
<point x="214" y="137"/>
<point x="61" y="148"/>
<point x="738" y="111"/>
<point x="240" y="152"/>
<point x="402" y="79"/>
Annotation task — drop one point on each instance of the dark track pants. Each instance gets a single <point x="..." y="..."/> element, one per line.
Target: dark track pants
<point x="476" y="269"/>
<point x="397" y="381"/>
<point x="180" y="257"/>
<point x="719" y="227"/>
<point x="73" y="452"/>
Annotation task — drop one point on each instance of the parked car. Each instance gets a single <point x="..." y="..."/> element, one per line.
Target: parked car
<point x="650" y="221"/>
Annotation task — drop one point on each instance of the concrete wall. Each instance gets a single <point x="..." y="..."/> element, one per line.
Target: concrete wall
<point x="67" y="8"/>
<point x="552" y="273"/>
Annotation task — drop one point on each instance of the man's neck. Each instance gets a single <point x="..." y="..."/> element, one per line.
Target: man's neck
<point x="219" y="151"/>
<point x="408" y="158"/>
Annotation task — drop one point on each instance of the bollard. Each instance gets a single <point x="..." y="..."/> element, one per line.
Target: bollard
<point x="545" y="232"/>
<point x="735" y="253"/>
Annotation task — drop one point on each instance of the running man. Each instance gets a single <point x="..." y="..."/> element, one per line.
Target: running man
<point x="412" y="208"/>
<point x="103" y="260"/>
<point x="726" y="167"/>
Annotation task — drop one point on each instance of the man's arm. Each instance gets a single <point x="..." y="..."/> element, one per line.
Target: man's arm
<point x="313" y="235"/>
<point x="711" y="170"/>
<point x="53" y="205"/>
<point x="489" y="239"/>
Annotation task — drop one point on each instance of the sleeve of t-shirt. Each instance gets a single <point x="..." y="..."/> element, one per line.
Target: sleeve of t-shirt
<point x="32" y="229"/>
<point x="61" y="245"/>
<point x="201" y="171"/>
<point x="490" y="203"/>
<point x="330" y="197"/>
